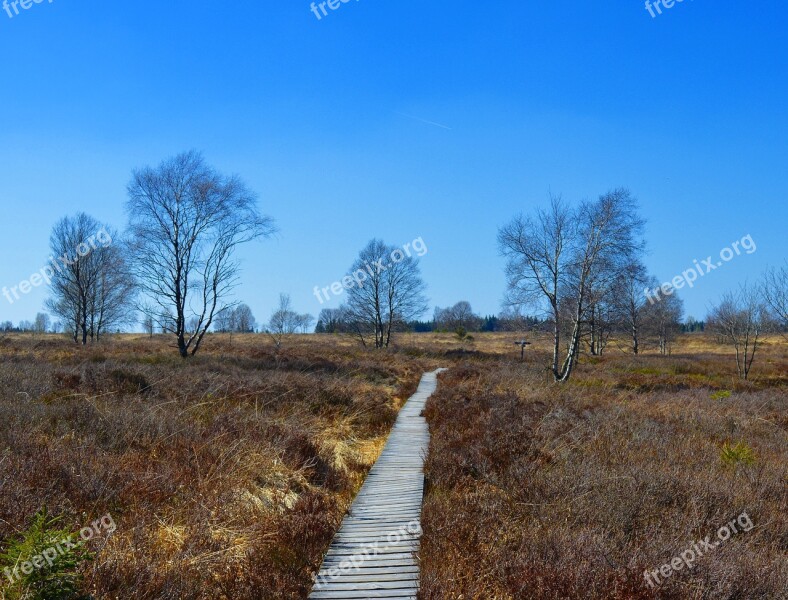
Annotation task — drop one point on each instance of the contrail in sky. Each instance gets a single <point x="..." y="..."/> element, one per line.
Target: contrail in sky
<point x="423" y="120"/>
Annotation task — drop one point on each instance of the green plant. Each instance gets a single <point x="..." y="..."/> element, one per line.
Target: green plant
<point x="721" y="394"/>
<point x="51" y="565"/>
<point x="738" y="453"/>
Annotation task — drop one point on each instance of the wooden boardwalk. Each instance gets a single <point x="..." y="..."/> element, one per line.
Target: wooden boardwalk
<point x="373" y="554"/>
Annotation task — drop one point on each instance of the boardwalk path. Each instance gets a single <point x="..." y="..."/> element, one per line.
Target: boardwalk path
<point x="373" y="553"/>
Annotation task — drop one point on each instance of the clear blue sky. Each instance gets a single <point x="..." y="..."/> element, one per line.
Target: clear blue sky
<point x="401" y="119"/>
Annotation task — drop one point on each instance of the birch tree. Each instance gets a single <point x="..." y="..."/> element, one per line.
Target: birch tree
<point x="284" y="321"/>
<point x="662" y="319"/>
<point x="186" y="221"/>
<point x="741" y="318"/>
<point x="630" y="301"/>
<point x="91" y="286"/>
<point x="775" y="294"/>
<point x="564" y="258"/>
<point x="384" y="290"/>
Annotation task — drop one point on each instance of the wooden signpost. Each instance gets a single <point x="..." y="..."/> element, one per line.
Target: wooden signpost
<point x="522" y="344"/>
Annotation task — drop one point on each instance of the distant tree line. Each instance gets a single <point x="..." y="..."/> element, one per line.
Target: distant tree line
<point x="42" y="324"/>
<point x="578" y="270"/>
<point x="235" y="319"/>
<point x="691" y="325"/>
<point x="447" y="321"/>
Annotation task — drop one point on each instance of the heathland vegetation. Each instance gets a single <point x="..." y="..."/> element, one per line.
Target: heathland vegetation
<point x="539" y="492"/>
<point x="228" y="474"/>
<point x="226" y="452"/>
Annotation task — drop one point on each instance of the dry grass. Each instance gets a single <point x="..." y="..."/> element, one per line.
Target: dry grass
<point x="538" y="491"/>
<point x="227" y="474"/>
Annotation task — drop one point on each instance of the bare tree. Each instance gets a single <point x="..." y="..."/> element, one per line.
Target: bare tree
<point x="185" y="222"/>
<point x="630" y="301"/>
<point x="41" y="324"/>
<point x="775" y="294"/>
<point x="608" y="232"/>
<point x="91" y="287"/>
<point x="389" y="292"/>
<point x="330" y="320"/>
<point x="305" y="322"/>
<point x="284" y="321"/>
<point x="741" y="318"/>
<point x="148" y="325"/>
<point x="225" y="321"/>
<point x="537" y="251"/>
<point x="662" y="319"/>
<point x="111" y="299"/>
<point x="165" y="321"/>
<point x="74" y="277"/>
<point x="235" y="319"/>
<point x="602" y="320"/>
<point x="459" y="316"/>
<point x="244" y="319"/>
<point x="566" y="259"/>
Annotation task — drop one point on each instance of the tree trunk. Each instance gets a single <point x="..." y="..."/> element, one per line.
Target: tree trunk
<point x="571" y="355"/>
<point x="556" y="342"/>
<point x="182" y="348"/>
<point x="574" y="347"/>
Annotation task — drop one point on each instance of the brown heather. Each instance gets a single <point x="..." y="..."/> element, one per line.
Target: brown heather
<point x="537" y="491"/>
<point x="227" y="474"/>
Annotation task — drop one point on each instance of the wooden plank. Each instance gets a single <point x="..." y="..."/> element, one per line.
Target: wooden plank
<point x="373" y="554"/>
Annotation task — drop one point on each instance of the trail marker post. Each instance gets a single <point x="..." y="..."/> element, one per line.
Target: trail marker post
<point x="522" y="344"/>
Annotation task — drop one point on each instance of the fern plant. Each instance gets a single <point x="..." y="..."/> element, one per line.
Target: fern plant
<point x="52" y="566"/>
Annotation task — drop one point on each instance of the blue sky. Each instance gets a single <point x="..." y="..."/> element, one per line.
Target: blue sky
<point x="399" y="120"/>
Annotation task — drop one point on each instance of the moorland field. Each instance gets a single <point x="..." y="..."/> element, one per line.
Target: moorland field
<point x="227" y="474"/>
